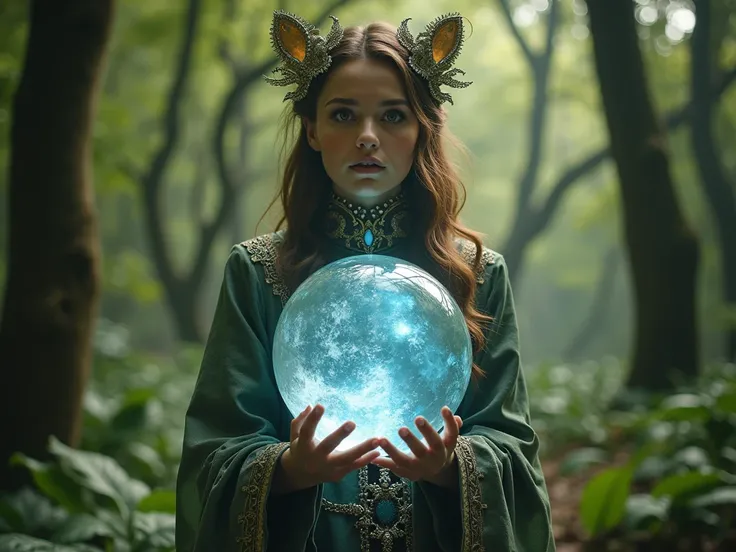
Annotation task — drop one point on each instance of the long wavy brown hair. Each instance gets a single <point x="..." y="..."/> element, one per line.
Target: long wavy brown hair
<point x="434" y="191"/>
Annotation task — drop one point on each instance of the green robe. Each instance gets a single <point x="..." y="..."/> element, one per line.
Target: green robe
<point x="237" y="427"/>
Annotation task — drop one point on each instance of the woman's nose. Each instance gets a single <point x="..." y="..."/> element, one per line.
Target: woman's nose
<point x="367" y="137"/>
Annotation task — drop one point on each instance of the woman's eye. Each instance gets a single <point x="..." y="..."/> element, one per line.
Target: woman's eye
<point x="394" y="116"/>
<point x="341" y="115"/>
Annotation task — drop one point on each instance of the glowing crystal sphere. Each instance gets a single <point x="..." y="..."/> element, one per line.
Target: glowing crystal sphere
<point x="375" y="340"/>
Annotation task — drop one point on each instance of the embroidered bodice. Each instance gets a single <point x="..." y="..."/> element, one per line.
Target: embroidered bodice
<point x="367" y="230"/>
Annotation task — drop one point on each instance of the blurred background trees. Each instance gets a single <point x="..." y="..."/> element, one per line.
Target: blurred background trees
<point x="600" y="149"/>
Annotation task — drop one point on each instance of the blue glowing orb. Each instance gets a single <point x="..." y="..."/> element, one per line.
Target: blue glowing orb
<point x="376" y="340"/>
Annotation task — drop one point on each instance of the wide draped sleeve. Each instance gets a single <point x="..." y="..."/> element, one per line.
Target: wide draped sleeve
<point x="236" y="430"/>
<point x="502" y="504"/>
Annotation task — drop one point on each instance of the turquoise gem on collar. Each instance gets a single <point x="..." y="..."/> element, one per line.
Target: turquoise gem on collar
<point x="367" y="230"/>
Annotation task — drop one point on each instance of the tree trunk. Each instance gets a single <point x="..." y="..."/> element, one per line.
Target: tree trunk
<point x="662" y="249"/>
<point x="53" y="272"/>
<point x="718" y="191"/>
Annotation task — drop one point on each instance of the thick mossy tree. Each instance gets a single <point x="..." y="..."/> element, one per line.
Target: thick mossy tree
<point x="662" y="248"/>
<point x="53" y="260"/>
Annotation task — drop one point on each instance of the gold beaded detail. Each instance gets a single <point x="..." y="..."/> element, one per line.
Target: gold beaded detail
<point x="367" y="230"/>
<point x="384" y="511"/>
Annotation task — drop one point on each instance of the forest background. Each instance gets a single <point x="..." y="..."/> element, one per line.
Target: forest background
<point x="600" y="136"/>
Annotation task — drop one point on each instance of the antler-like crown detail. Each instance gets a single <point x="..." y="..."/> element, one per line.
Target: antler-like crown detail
<point x="303" y="52"/>
<point x="434" y="51"/>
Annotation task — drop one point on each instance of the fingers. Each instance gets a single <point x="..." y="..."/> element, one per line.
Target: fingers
<point x="449" y="438"/>
<point x="364" y="460"/>
<point x="395" y="454"/>
<point x="310" y="424"/>
<point x="395" y="468"/>
<point x="352" y="454"/>
<point x="415" y="445"/>
<point x="296" y="423"/>
<point x="434" y="441"/>
<point x="328" y="444"/>
<point x="459" y="422"/>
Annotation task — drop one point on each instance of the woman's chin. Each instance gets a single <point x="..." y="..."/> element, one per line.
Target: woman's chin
<point x="367" y="190"/>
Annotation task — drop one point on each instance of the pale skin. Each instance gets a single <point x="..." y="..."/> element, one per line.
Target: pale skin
<point x="363" y="111"/>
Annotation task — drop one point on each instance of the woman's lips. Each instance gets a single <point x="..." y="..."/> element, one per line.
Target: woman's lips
<point x="369" y="169"/>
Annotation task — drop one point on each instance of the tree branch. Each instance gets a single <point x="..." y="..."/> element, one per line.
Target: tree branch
<point x="530" y="56"/>
<point x="540" y="218"/>
<point x="228" y="188"/>
<point x="153" y="178"/>
<point x="540" y="68"/>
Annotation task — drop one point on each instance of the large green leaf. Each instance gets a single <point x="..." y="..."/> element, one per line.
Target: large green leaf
<point x="82" y="528"/>
<point x="101" y="475"/>
<point x="159" y="501"/>
<point x="727" y="402"/>
<point x="643" y="510"/>
<point x="683" y="486"/>
<point x="27" y="511"/>
<point x="55" y="484"/>
<point x="10" y="519"/>
<point x="134" y="410"/>
<point x="717" y="497"/>
<point x="684" y="407"/>
<point x="155" y="530"/>
<point x="15" y="542"/>
<point x="603" y="503"/>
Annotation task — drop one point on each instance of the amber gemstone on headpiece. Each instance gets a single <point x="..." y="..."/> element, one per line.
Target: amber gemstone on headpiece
<point x="444" y="41"/>
<point x="293" y="40"/>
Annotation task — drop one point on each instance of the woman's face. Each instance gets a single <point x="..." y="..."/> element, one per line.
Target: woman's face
<point x="362" y="113"/>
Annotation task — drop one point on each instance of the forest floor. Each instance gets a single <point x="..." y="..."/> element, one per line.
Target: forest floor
<point x="565" y="492"/>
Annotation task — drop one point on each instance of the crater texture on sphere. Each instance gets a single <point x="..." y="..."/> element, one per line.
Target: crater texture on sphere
<point x="376" y="340"/>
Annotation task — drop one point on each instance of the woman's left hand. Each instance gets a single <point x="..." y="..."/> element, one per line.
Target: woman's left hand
<point x="427" y="460"/>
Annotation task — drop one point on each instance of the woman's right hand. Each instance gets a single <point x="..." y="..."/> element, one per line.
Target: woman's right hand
<point x="311" y="463"/>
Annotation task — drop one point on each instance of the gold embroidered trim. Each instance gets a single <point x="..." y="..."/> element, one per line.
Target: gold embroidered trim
<point x="367" y="230"/>
<point x="371" y="495"/>
<point x="253" y="517"/>
<point x="262" y="249"/>
<point x="471" y="496"/>
<point x="488" y="256"/>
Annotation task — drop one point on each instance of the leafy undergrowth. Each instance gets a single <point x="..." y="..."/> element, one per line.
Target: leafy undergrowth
<point x="653" y="473"/>
<point x="115" y="494"/>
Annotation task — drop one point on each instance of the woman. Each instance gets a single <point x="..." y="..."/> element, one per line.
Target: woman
<point x="367" y="173"/>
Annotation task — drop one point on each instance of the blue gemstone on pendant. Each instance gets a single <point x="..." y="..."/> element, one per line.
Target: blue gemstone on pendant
<point x="386" y="512"/>
<point x="368" y="238"/>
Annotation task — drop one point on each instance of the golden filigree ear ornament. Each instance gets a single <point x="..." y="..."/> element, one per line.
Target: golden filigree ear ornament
<point x="434" y="51"/>
<point x="304" y="54"/>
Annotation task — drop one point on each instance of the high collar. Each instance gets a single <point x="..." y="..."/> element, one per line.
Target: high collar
<point x="367" y="230"/>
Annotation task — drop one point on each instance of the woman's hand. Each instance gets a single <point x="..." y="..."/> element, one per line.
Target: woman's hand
<point x="310" y="463"/>
<point x="428" y="461"/>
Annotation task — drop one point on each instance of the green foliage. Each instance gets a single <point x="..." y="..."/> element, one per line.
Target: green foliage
<point x="88" y="502"/>
<point x="679" y="479"/>
<point x="121" y="496"/>
<point x="562" y="410"/>
<point x="135" y="405"/>
<point x="604" y="500"/>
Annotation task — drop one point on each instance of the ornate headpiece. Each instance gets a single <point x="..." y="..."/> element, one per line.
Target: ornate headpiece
<point x="305" y="54"/>
<point x="434" y="51"/>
